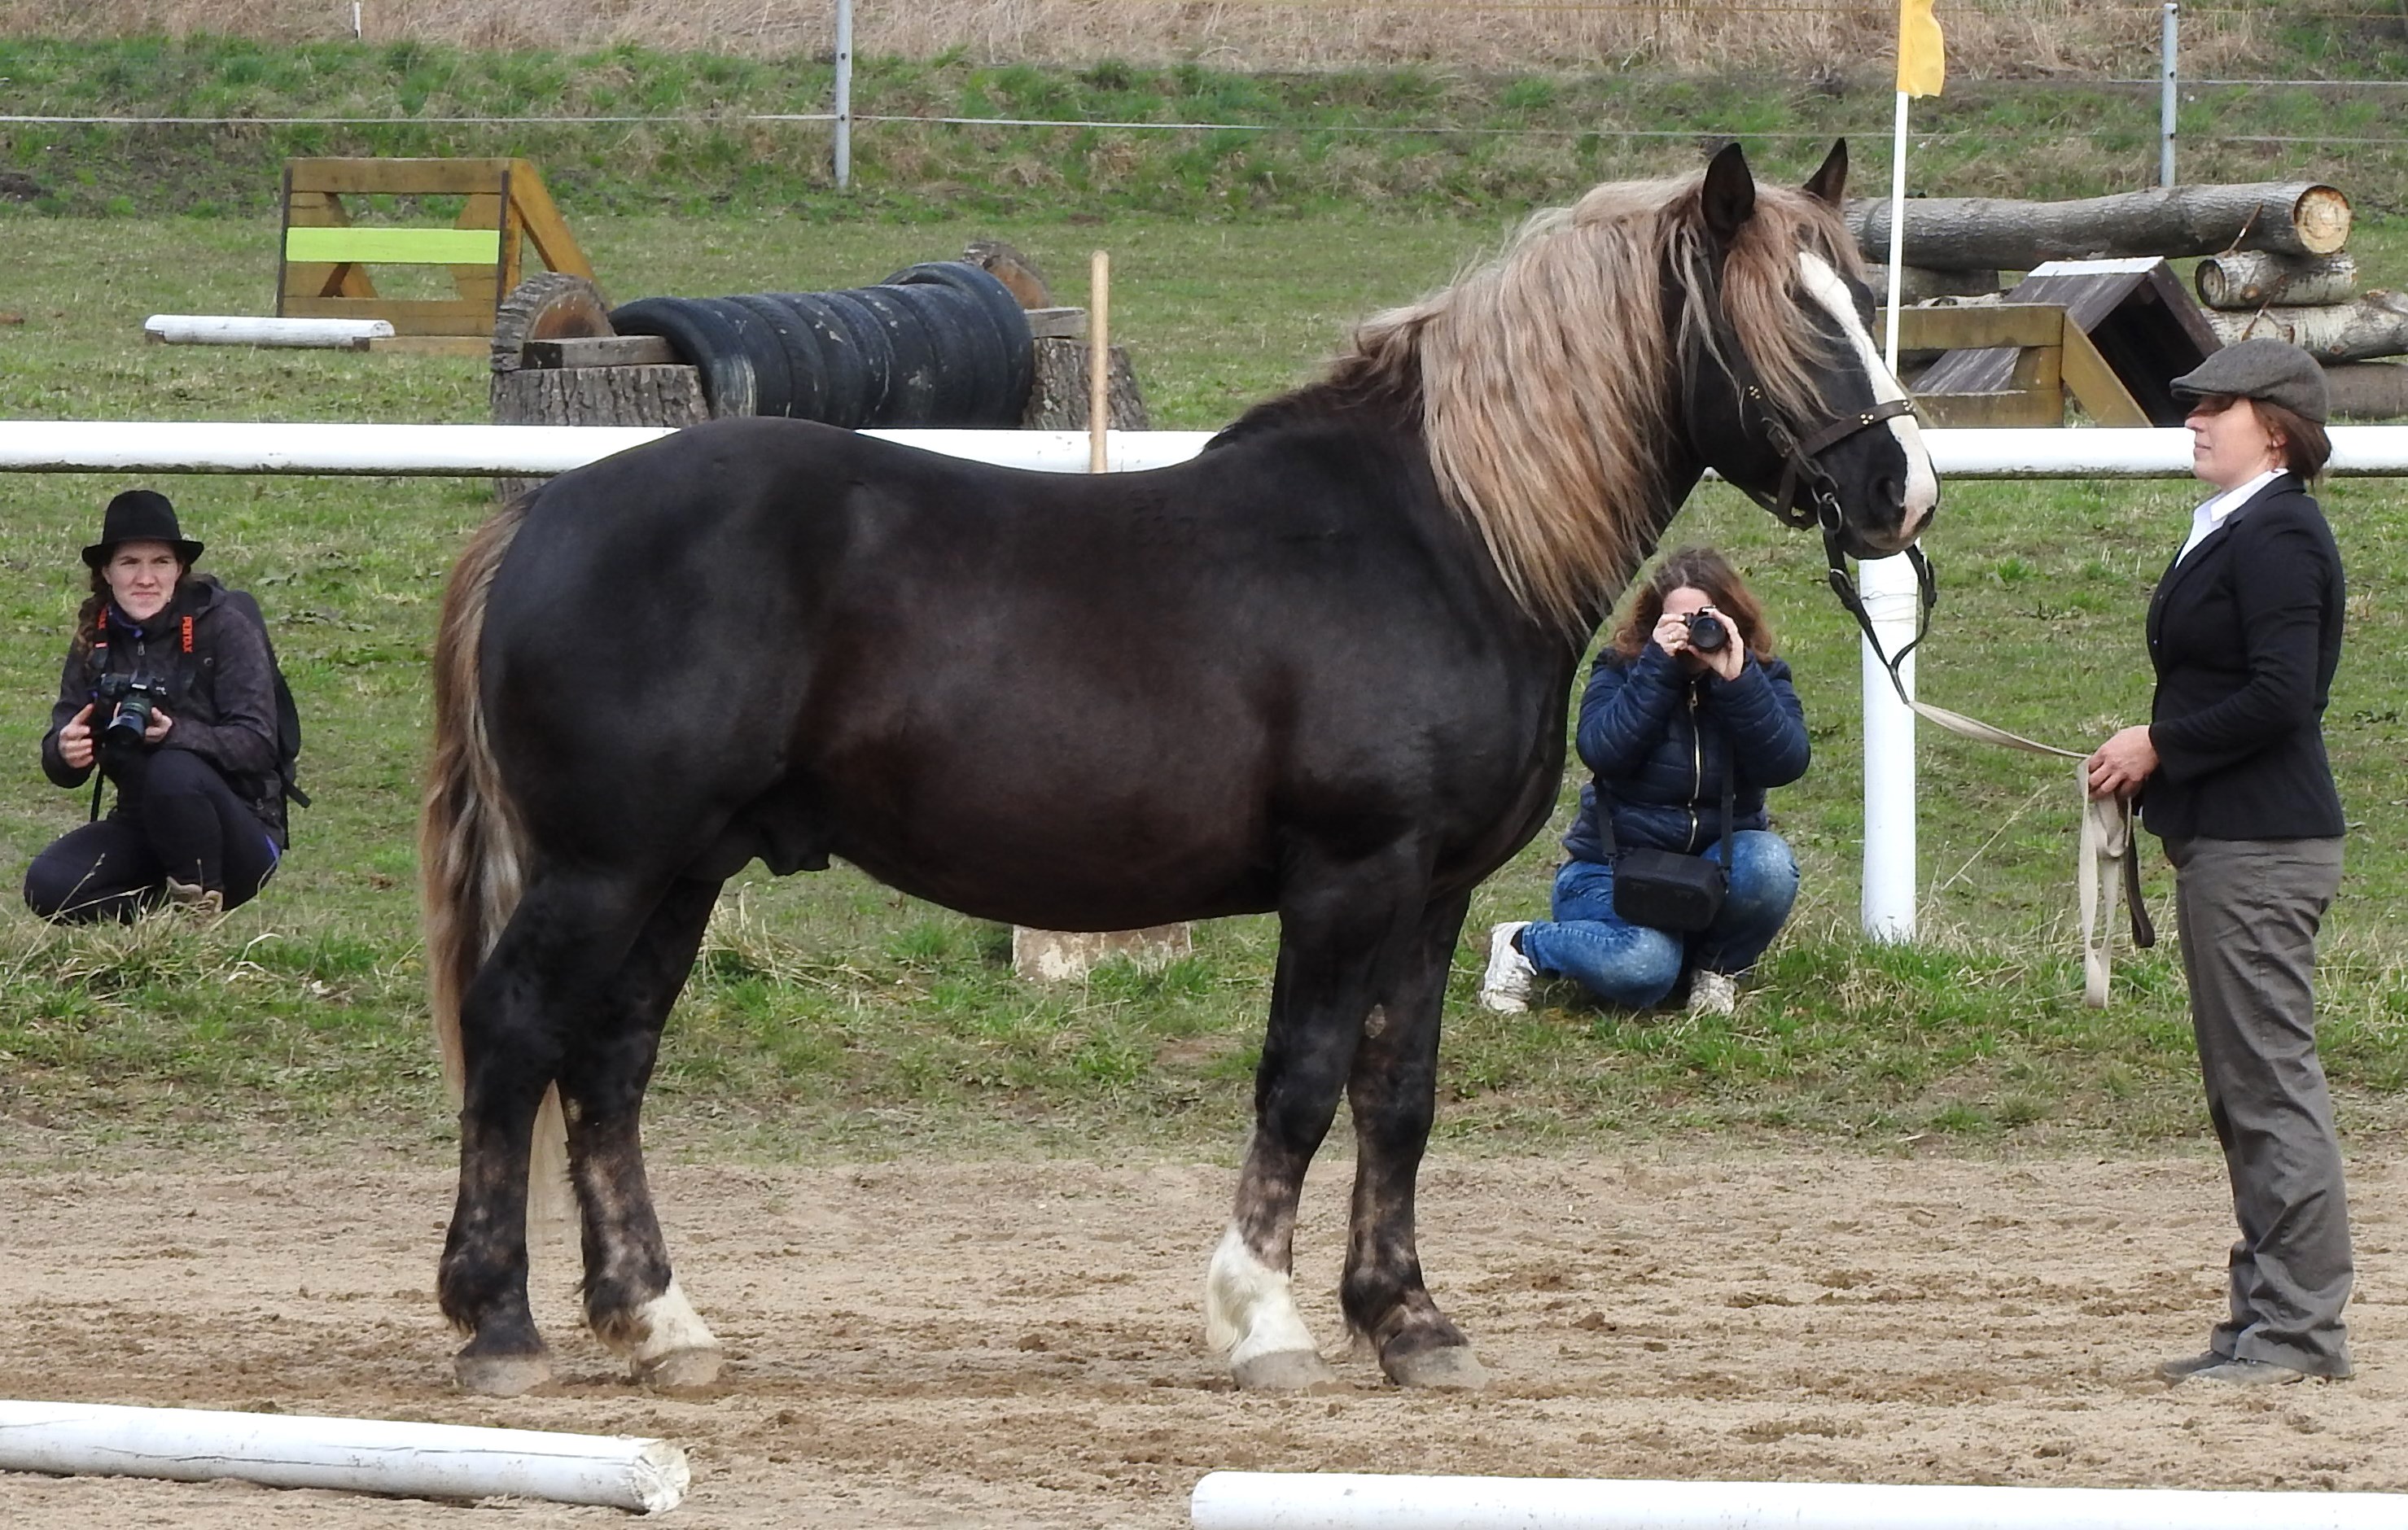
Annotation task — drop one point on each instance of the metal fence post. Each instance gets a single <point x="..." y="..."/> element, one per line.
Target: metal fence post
<point x="2166" y="89"/>
<point x="844" y="93"/>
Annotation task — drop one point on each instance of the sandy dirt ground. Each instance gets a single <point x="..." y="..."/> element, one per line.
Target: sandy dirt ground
<point x="926" y="1344"/>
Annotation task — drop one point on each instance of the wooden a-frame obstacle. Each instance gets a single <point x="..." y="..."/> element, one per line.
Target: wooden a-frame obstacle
<point x="323" y="256"/>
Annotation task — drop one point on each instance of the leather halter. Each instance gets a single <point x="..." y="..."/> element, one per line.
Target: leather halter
<point x="1801" y="465"/>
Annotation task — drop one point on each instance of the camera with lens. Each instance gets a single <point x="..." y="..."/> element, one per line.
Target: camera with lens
<point x="1707" y="633"/>
<point x="134" y="698"/>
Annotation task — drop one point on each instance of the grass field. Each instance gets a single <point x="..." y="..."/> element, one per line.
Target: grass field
<point x="830" y="1015"/>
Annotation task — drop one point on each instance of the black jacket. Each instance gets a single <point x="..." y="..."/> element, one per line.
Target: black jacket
<point x="221" y="691"/>
<point x="2245" y="633"/>
<point x="1658" y="773"/>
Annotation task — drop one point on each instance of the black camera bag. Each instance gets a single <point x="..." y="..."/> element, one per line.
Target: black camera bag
<point x="1669" y="889"/>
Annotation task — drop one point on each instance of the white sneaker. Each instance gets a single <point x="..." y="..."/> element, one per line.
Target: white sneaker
<point x="1506" y="989"/>
<point x="1712" y="992"/>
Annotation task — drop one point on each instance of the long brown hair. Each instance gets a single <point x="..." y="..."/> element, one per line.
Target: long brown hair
<point x="1703" y="570"/>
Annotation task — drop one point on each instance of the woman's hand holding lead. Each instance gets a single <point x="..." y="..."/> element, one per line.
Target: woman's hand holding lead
<point x="2119" y="765"/>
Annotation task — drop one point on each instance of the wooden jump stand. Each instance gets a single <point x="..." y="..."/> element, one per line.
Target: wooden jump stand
<point x="323" y="256"/>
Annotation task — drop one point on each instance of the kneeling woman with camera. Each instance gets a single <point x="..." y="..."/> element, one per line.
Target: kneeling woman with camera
<point x="169" y="688"/>
<point x="1687" y="720"/>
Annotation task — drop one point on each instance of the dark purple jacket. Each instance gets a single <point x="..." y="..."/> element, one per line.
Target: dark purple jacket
<point x="222" y="693"/>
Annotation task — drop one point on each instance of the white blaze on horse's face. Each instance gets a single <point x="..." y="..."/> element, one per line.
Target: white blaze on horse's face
<point x="1922" y="483"/>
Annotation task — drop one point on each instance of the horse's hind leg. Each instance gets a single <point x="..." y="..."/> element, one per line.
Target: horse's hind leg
<point x="1393" y="1092"/>
<point x="563" y="946"/>
<point x="1336" y="934"/>
<point x="632" y="1299"/>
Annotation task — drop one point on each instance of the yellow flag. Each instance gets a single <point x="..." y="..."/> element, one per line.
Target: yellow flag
<point x="1920" y="67"/>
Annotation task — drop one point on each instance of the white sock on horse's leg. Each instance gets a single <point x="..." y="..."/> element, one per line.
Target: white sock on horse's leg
<point x="677" y="1349"/>
<point x="1250" y="1316"/>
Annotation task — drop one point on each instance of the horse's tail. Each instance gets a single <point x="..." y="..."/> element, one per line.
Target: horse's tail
<point x="471" y="849"/>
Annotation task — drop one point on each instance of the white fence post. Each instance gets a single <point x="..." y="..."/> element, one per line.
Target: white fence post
<point x="2167" y="85"/>
<point x="843" y="94"/>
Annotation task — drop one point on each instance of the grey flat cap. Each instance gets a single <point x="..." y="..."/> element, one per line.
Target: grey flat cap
<point x="2271" y="370"/>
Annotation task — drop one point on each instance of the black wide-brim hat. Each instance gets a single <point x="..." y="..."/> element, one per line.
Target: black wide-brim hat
<point x="141" y="515"/>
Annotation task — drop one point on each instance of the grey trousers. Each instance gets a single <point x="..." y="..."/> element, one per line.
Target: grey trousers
<point x="2248" y="912"/>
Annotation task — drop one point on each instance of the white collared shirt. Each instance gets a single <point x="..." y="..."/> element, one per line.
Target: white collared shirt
<point x="2211" y="515"/>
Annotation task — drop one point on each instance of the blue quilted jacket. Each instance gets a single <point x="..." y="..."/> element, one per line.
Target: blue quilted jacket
<point x="1659" y="772"/>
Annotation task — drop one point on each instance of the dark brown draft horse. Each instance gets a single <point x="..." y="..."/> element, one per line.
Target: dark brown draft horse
<point x="1320" y="670"/>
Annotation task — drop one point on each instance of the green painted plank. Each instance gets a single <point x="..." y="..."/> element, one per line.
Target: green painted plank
<point x="395" y="245"/>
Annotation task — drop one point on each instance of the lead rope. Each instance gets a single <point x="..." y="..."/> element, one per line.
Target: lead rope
<point x="2108" y="865"/>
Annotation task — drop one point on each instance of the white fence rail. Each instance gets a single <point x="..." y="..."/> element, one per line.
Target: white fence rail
<point x="29" y="446"/>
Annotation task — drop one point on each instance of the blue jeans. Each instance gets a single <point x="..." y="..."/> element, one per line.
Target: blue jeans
<point x="1635" y="966"/>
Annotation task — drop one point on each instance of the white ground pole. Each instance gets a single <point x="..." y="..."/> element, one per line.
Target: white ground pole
<point x="1232" y="1500"/>
<point x="245" y="329"/>
<point x="1886" y="903"/>
<point x="348" y="1455"/>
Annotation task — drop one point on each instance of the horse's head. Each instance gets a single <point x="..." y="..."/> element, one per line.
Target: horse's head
<point x="1783" y="390"/>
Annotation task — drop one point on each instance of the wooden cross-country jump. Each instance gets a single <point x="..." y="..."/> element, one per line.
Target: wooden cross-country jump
<point x="324" y="255"/>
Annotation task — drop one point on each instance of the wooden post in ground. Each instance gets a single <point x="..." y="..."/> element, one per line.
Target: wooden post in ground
<point x="1069" y="955"/>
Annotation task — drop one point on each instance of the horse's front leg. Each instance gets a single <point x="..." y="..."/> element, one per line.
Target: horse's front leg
<point x="1393" y="1092"/>
<point x="631" y="1300"/>
<point x="559" y="938"/>
<point x="1338" y="933"/>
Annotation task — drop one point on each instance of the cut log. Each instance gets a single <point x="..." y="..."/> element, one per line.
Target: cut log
<point x="2369" y="390"/>
<point x="1921" y="284"/>
<point x="549" y="306"/>
<point x="2251" y="279"/>
<point x="601" y="351"/>
<point x="2374" y="325"/>
<point x="1058" y="956"/>
<point x="1971" y="234"/>
<point x="595" y="395"/>
<point x="1058" y="399"/>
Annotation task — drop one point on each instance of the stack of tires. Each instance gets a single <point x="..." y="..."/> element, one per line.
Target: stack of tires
<point x="939" y="344"/>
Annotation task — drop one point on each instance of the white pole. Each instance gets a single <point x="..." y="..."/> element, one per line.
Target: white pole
<point x="351" y="1456"/>
<point x="1886" y="896"/>
<point x="843" y="93"/>
<point x="2166" y="89"/>
<point x="140" y="446"/>
<point x="245" y="329"/>
<point x="1233" y="1500"/>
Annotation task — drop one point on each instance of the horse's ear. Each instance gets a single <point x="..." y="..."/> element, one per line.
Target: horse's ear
<point x="1831" y="183"/>
<point x="1729" y="199"/>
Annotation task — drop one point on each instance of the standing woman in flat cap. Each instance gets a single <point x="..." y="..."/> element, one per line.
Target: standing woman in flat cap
<point x="169" y="690"/>
<point x="2244" y="631"/>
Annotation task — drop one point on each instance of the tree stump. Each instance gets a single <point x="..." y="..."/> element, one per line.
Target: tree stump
<point x="1061" y="956"/>
<point x="1059" y="398"/>
<point x="595" y="395"/>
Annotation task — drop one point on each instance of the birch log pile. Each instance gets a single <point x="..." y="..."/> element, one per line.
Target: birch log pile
<point x="1971" y="234"/>
<point x="2252" y="279"/>
<point x="2374" y="325"/>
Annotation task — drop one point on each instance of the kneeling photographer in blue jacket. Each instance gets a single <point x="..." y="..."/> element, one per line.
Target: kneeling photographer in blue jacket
<point x="1686" y="711"/>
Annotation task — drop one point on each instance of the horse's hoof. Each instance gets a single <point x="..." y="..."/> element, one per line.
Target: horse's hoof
<point x="680" y="1370"/>
<point x="500" y="1375"/>
<point x="1284" y="1370"/>
<point x="1447" y="1368"/>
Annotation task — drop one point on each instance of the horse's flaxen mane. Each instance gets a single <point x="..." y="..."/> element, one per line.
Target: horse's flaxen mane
<point x="1547" y="375"/>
